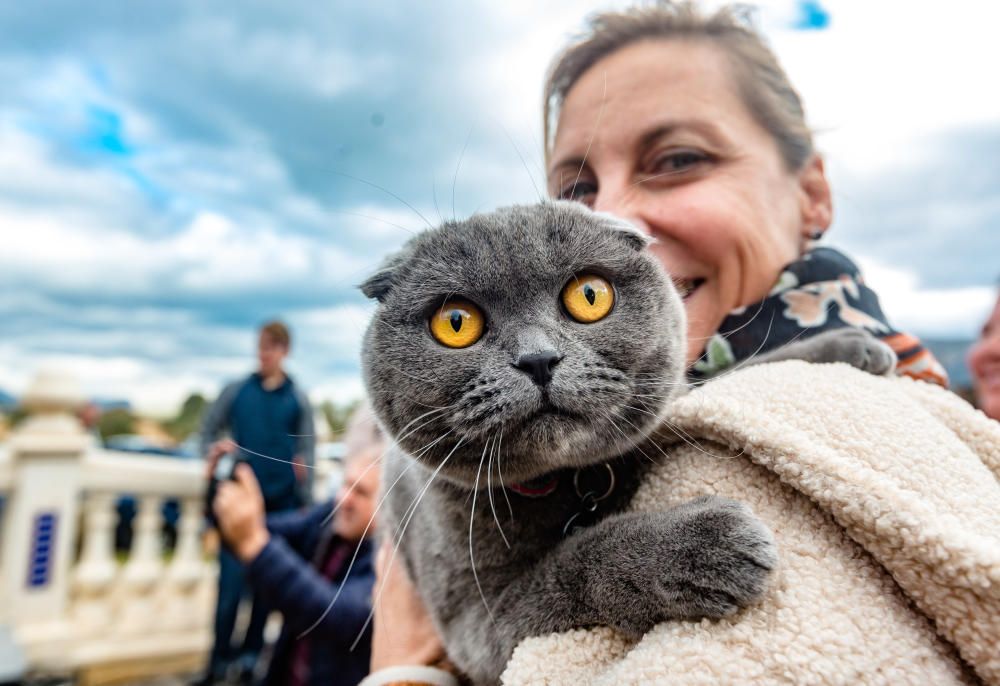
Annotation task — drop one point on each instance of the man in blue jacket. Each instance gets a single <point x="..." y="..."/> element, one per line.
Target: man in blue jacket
<point x="269" y="420"/>
<point x="316" y="567"/>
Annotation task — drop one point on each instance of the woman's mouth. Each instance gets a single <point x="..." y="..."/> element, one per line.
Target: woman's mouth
<point x="687" y="286"/>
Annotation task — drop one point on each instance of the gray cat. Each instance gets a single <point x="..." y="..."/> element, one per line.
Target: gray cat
<point x="522" y="360"/>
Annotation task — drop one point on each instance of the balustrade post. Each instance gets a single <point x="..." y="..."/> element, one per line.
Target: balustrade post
<point x="180" y="604"/>
<point x="144" y="569"/>
<point x="97" y="568"/>
<point x="40" y="520"/>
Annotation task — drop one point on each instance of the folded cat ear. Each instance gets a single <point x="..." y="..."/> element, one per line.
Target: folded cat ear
<point x="378" y="285"/>
<point x="630" y="233"/>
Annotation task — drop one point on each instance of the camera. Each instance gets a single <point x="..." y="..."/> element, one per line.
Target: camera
<point x="225" y="470"/>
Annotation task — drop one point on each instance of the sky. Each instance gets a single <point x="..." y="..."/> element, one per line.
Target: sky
<point x="172" y="174"/>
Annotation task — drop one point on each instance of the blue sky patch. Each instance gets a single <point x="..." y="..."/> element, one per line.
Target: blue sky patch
<point x="105" y="133"/>
<point x="811" y="16"/>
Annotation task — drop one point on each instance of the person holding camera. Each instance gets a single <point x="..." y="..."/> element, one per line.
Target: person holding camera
<point x="316" y="566"/>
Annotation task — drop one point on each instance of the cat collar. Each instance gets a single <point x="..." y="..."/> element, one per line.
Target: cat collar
<point x="537" y="488"/>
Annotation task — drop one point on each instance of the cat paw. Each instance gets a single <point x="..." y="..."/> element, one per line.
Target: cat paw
<point x="707" y="558"/>
<point x="723" y="559"/>
<point x="861" y="349"/>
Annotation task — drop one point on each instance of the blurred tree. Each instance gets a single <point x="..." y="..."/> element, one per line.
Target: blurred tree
<point x="188" y="419"/>
<point x="337" y="416"/>
<point x="116" y="422"/>
<point x="16" y="416"/>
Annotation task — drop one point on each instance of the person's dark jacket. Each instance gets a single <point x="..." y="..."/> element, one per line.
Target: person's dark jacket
<point x="285" y="572"/>
<point x="271" y="426"/>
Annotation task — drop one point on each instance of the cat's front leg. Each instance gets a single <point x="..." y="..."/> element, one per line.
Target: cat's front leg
<point x="706" y="558"/>
<point x="856" y="347"/>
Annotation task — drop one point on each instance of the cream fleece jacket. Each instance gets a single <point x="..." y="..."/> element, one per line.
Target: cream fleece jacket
<point x="884" y="499"/>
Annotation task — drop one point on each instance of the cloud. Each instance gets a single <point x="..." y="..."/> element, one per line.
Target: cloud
<point x="172" y="174"/>
<point x="948" y="313"/>
<point x="936" y="214"/>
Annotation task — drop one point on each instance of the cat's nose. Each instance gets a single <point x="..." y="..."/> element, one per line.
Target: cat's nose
<point x="539" y="366"/>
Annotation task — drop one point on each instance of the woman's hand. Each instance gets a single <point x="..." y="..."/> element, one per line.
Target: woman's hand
<point x="403" y="632"/>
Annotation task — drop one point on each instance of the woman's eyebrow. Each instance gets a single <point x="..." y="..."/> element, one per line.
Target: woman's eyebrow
<point x="568" y="168"/>
<point x="701" y="127"/>
<point x="566" y="164"/>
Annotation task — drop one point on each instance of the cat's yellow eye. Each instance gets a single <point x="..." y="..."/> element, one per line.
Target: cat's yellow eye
<point x="588" y="298"/>
<point x="457" y="324"/>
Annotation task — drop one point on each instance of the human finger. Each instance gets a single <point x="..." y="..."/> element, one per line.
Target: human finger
<point x="245" y="477"/>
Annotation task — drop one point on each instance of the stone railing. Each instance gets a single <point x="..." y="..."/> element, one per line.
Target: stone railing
<point x="69" y="602"/>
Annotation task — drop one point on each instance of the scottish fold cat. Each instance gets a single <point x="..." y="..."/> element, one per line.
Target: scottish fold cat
<point x="522" y="361"/>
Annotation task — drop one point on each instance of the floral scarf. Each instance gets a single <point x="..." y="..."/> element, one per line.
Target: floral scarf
<point x="820" y="291"/>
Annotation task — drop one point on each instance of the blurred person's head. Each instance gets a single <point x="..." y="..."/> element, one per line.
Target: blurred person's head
<point x="89" y="414"/>
<point x="273" y="344"/>
<point x="984" y="363"/>
<point x="356" y="498"/>
<point x="685" y="124"/>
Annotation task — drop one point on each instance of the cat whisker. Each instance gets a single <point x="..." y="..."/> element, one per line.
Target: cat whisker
<point x="686" y="438"/>
<point x="510" y="508"/>
<point x="376" y="219"/>
<point x="405" y="522"/>
<point x="541" y="198"/>
<point x="472" y="557"/>
<point x="489" y="490"/>
<point x="274" y="459"/>
<point x="680" y="433"/>
<point x="597" y="126"/>
<point x="432" y="382"/>
<point x="417" y="453"/>
<point x="404" y="434"/>
<point x="354" y="558"/>
<point x="749" y="360"/>
<point x="377" y="462"/>
<point x="386" y="191"/>
<point x="434" y="195"/>
<point x="611" y="421"/>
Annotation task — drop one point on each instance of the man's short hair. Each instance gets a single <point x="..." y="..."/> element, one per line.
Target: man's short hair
<point x="277" y="332"/>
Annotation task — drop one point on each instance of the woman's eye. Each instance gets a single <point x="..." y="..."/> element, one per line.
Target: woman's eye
<point x="581" y="191"/>
<point x="457" y="324"/>
<point x="588" y="298"/>
<point x="678" y="161"/>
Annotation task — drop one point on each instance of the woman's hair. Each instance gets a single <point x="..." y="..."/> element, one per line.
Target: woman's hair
<point x="763" y="84"/>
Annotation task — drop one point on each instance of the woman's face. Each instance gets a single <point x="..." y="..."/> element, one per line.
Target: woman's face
<point x="984" y="361"/>
<point x="657" y="133"/>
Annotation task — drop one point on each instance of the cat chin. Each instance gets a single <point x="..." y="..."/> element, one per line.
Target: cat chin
<point x="545" y="445"/>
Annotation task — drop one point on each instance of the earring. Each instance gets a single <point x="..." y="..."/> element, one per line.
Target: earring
<point x="815" y="234"/>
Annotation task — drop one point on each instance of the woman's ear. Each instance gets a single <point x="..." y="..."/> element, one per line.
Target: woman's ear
<point x="816" y="203"/>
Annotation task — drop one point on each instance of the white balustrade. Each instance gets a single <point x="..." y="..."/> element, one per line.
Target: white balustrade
<point x="96" y="570"/>
<point x="61" y="493"/>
